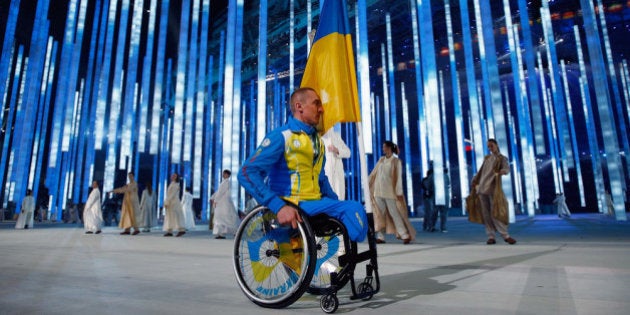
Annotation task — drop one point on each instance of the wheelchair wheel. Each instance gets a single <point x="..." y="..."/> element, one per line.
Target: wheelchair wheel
<point x="273" y="263"/>
<point x="329" y="249"/>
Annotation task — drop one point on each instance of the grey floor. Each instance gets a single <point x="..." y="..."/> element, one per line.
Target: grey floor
<point x="575" y="266"/>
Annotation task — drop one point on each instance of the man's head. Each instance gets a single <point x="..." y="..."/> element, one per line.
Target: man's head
<point x="306" y="106"/>
<point x="493" y="146"/>
<point x="94" y="184"/>
<point x="227" y="173"/>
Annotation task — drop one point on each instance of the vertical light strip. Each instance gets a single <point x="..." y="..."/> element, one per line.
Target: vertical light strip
<point x="392" y="82"/>
<point x="422" y="132"/>
<point x="445" y="151"/>
<point x="237" y="105"/>
<point x="104" y="85"/>
<point x="261" y="99"/>
<point x="431" y="97"/>
<point x="457" y="106"/>
<point x="191" y="82"/>
<point x="576" y="150"/>
<point x="471" y="85"/>
<point x="364" y="75"/>
<point x="600" y="80"/>
<point x="616" y="96"/>
<point x="529" y="173"/>
<point x="156" y="108"/>
<point x="8" y="131"/>
<point x="143" y="129"/>
<point x="228" y="88"/>
<point x="515" y="165"/>
<point x="202" y="99"/>
<point x="6" y="57"/>
<point x="180" y="85"/>
<point x="386" y="106"/>
<point x="291" y="46"/>
<point x="407" y="147"/>
<point x="587" y="109"/>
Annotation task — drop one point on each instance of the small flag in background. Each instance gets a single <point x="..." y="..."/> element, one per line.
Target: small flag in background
<point x="330" y="68"/>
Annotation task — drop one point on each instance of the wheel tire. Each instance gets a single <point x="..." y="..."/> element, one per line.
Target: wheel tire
<point x="329" y="303"/>
<point x="366" y="288"/>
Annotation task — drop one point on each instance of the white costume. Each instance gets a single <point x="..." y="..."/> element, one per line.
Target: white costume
<point x="189" y="214"/>
<point x="25" y="220"/>
<point x="563" y="209"/>
<point x="225" y="217"/>
<point x="174" y="216"/>
<point x="334" y="165"/>
<point x="147" y="216"/>
<point x="92" y="214"/>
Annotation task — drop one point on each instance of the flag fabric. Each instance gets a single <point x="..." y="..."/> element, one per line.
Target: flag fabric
<point x="330" y="68"/>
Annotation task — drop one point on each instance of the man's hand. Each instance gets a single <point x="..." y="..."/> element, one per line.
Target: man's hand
<point x="288" y="214"/>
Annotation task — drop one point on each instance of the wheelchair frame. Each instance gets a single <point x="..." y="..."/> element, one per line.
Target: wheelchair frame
<point x="274" y="263"/>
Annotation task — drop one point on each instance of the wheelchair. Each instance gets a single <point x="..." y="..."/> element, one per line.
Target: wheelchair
<point x="276" y="264"/>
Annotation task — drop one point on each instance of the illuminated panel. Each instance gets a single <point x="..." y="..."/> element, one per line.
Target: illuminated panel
<point x="291" y="46"/>
<point x="609" y="128"/>
<point x="146" y="81"/>
<point x="422" y="134"/>
<point x="576" y="152"/>
<point x="228" y="88"/>
<point x="6" y="58"/>
<point x="101" y="103"/>
<point x="431" y="98"/>
<point x="9" y="131"/>
<point x="364" y="75"/>
<point x="202" y="99"/>
<point x="469" y="68"/>
<point x="159" y="77"/>
<point x="178" y="113"/>
<point x="457" y="107"/>
<point x="386" y="106"/>
<point x="237" y="104"/>
<point x="191" y="82"/>
<point x="407" y="164"/>
<point x="615" y="88"/>
<point x="625" y="79"/>
<point x="261" y="101"/>
<point x="392" y="82"/>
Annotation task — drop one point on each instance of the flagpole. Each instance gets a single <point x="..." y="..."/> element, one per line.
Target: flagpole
<point x="363" y="166"/>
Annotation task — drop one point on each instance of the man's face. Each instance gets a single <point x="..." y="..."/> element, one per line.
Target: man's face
<point x="310" y="108"/>
<point x="173" y="177"/>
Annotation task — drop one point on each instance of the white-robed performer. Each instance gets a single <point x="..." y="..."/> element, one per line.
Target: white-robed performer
<point x="189" y="214"/>
<point x="147" y="217"/>
<point x="561" y="205"/>
<point x="130" y="206"/>
<point x="225" y="219"/>
<point x="336" y="150"/>
<point x="25" y="219"/>
<point x="92" y="214"/>
<point x="174" y="216"/>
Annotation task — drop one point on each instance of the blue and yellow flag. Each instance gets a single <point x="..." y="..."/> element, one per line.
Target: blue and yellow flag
<point x="330" y="68"/>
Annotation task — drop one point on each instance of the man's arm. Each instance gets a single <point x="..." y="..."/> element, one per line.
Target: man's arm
<point x="256" y="168"/>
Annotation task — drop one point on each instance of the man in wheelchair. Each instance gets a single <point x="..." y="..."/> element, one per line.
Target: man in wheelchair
<point x="292" y="159"/>
<point x="277" y="252"/>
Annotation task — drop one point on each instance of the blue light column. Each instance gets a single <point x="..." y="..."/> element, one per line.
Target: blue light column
<point x="261" y="99"/>
<point x="6" y="56"/>
<point x="392" y="82"/>
<point x="156" y="109"/>
<point x="422" y="132"/>
<point x="576" y="150"/>
<point x="609" y="127"/>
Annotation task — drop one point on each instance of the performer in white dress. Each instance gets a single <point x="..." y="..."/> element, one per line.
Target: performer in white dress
<point x="174" y="216"/>
<point x="147" y="216"/>
<point x="225" y="219"/>
<point x="563" y="209"/>
<point x="336" y="150"/>
<point x="25" y="220"/>
<point x="189" y="214"/>
<point x="92" y="214"/>
<point x="130" y="206"/>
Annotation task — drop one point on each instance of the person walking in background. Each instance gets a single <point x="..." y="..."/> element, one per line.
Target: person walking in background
<point x="428" y="195"/>
<point x="147" y="217"/>
<point x="130" y="206"/>
<point x="561" y="206"/>
<point x="92" y="214"/>
<point x="387" y="196"/>
<point x="442" y="210"/>
<point x="25" y="219"/>
<point x="187" y="207"/>
<point x="336" y="150"/>
<point x="225" y="219"/>
<point x="174" y="215"/>
<point x="492" y="200"/>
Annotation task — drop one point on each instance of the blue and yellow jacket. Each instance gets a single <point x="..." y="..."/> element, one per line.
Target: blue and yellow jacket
<point x="284" y="167"/>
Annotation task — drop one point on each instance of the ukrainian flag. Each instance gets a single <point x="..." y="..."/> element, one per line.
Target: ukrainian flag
<point x="330" y="68"/>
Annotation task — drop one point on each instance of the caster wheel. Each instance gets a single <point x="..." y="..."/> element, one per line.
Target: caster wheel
<point x="329" y="303"/>
<point x="367" y="289"/>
